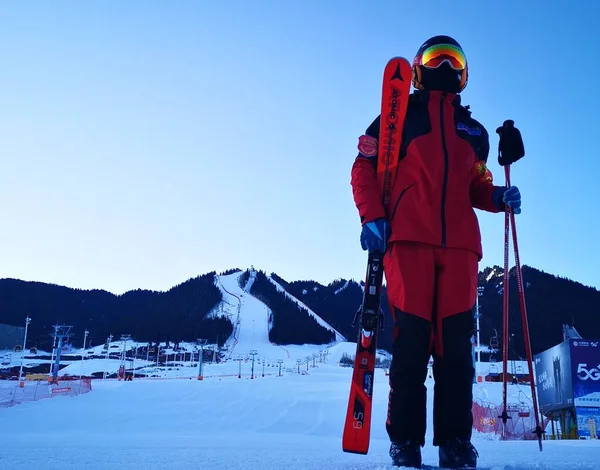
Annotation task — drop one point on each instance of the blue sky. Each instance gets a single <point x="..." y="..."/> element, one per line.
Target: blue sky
<point x="146" y="142"/>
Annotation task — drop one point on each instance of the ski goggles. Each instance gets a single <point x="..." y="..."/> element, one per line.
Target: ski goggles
<point x="434" y="56"/>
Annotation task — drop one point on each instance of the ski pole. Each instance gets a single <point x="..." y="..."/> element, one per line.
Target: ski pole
<point x="505" y="307"/>
<point x="526" y="337"/>
<point x="511" y="149"/>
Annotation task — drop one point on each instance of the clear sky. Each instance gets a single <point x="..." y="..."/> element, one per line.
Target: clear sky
<point x="146" y="142"/>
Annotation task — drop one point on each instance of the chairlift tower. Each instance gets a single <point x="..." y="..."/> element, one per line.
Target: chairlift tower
<point x="253" y="353"/>
<point x="123" y="367"/>
<point x="27" y="321"/>
<point x="201" y="343"/>
<point x="60" y="332"/>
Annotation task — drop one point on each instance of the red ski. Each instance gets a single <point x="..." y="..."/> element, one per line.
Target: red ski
<point x="394" y="101"/>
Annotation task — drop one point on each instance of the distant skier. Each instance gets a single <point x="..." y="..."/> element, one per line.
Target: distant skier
<point x="433" y="245"/>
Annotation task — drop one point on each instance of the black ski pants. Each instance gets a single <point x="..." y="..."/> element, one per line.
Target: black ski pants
<point x="453" y="374"/>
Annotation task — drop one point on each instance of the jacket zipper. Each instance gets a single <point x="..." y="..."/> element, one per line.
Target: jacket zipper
<point x="445" y="182"/>
<point x="406" y="188"/>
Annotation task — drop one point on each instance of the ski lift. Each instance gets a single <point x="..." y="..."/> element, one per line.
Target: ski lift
<point x="513" y="407"/>
<point x="524" y="411"/>
<point x="494" y="341"/>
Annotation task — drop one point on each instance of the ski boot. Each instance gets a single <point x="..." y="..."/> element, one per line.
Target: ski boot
<point x="458" y="454"/>
<point x="406" y="454"/>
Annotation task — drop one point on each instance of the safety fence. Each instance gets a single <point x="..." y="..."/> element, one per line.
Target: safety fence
<point x="520" y="425"/>
<point x="14" y="392"/>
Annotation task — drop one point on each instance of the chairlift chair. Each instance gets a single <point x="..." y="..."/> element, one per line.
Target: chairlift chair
<point x="524" y="411"/>
<point x="494" y="341"/>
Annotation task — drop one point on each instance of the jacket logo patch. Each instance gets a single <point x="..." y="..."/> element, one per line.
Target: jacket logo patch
<point x="469" y="130"/>
<point x="367" y="145"/>
<point x="481" y="169"/>
<point x="481" y="172"/>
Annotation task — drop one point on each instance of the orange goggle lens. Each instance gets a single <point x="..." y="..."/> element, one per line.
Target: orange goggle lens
<point x="434" y="56"/>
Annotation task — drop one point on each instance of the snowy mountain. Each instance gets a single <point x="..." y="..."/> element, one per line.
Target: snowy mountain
<point x="552" y="302"/>
<point x="253" y="320"/>
<point x="290" y="320"/>
<point x="237" y="305"/>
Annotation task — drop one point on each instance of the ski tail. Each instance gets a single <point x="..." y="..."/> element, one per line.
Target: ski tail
<point x="357" y="428"/>
<point x="394" y="102"/>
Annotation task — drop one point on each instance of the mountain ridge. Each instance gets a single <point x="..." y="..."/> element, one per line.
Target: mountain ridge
<point x="194" y="308"/>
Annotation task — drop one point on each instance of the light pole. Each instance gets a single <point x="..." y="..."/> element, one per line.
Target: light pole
<point x="253" y="353"/>
<point x="133" y="361"/>
<point x="279" y="361"/>
<point x="21" y="382"/>
<point x="263" y="371"/>
<point x="53" y="351"/>
<point x="298" y="362"/>
<point x="85" y="335"/>
<point x="214" y="357"/>
<point x="201" y="342"/>
<point x="239" y="359"/>
<point x="110" y="337"/>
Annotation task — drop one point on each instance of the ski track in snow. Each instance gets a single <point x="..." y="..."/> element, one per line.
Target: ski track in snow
<point x="294" y="421"/>
<point x="342" y="288"/>
<point x="252" y="331"/>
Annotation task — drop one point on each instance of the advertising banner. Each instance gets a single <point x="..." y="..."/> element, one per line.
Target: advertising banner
<point x="585" y="366"/>
<point x="553" y="378"/>
<point x="588" y="422"/>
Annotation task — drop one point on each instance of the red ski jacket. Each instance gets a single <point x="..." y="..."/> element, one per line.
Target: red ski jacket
<point x="441" y="175"/>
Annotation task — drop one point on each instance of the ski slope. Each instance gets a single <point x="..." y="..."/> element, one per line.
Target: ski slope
<point x="251" y="326"/>
<point x="289" y="422"/>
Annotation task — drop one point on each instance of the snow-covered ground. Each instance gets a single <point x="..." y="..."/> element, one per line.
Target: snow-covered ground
<point x="293" y="421"/>
<point x="224" y="422"/>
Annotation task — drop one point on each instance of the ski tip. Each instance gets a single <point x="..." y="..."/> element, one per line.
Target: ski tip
<point x="399" y="57"/>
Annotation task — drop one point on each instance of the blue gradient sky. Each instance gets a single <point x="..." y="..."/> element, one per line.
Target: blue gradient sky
<point x="145" y="142"/>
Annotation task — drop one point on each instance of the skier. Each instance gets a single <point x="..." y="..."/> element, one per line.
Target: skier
<point x="432" y="244"/>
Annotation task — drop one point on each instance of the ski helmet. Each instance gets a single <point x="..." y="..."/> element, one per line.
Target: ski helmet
<point x="440" y="64"/>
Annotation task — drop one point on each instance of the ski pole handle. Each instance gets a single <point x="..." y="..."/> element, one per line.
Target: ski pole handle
<point x="510" y="146"/>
